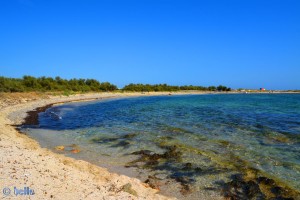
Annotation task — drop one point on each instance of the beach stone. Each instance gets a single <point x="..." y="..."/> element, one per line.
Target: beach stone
<point x="75" y="151"/>
<point x="161" y="176"/>
<point x="60" y="148"/>
<point x="128" y="188"/>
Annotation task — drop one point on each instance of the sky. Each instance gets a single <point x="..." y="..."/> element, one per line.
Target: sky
<point x="236" y="43"/>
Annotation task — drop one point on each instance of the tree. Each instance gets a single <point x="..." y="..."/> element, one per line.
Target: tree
<point x="106" y="86"/>
<point x="93" y="84"/>
<point x="30" y="82"/>
<point x="212" y="88"/>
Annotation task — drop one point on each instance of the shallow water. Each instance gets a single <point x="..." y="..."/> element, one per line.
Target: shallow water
<point x="196" y="144"/>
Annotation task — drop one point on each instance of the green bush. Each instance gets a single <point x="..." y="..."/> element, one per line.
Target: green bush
<point x="45" y="84"/>
<point x="164" y="87"/>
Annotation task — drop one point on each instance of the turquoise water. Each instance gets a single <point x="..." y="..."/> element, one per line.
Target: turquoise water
<point x="220" y="144"/>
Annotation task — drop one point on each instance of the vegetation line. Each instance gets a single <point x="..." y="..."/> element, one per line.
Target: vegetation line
<point x="45" y="84"/>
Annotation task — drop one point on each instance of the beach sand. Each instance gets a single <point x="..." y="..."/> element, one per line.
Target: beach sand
<point x="23" y="163"/>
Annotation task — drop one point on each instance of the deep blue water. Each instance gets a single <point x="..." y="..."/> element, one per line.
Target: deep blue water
<point x="220" y="134"/>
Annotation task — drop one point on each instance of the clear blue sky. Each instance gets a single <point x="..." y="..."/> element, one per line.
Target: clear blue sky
<point x="237" y="43"/>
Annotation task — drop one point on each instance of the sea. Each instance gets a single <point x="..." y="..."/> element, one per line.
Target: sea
<point x="207" y="146"/>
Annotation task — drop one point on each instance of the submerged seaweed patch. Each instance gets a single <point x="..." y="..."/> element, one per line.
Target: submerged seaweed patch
<point x="257" y="188"/>
<point x="163" y="161"/>
<point x="173" y="129"/>
<point x="152" y="159"/>
<point x="238" y="188"/>
<point x="102" y="140"/>
<point x="170" y="161"/>
<point x="123" y="141"/>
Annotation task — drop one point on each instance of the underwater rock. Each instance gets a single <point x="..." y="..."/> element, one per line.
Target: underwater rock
<point x="142" y="152"/>
<point x="281" y="198"/>
<point x="187" y="166"/>
<point x="129" y="136"/>
<point x="265" y="180"/>
<point x="276" y="190"/>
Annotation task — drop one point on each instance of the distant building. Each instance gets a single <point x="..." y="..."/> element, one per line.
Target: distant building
<point x="262" y="89"/>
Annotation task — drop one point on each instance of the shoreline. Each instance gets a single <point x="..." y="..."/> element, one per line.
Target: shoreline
<point x="25" y="163"/>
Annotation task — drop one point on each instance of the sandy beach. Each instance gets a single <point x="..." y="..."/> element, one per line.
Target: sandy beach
<point x="24" y="163"/>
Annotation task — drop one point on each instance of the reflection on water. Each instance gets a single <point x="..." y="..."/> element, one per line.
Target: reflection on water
<point x="238" y="146"/>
